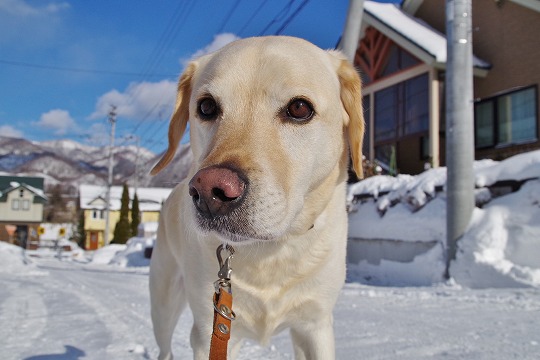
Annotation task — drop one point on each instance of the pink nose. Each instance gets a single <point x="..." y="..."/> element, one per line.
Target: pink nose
<point x="216" y="190"/>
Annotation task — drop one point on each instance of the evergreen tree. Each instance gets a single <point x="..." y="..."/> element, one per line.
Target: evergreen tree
<point x="135" y="215"/>
<point x="122" y="231"/>
<point x="81" y="234"/>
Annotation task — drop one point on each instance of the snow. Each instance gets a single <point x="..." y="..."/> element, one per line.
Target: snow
<point x="77" y="310"/>
<point x="499" y="249"/>
<point x="95" y="305"/>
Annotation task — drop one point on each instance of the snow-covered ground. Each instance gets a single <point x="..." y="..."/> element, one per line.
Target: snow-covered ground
<point x="81" y="305"/>
<point x="54" y="308"/>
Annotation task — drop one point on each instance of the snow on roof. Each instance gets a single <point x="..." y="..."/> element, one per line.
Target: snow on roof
<point x="150" y="199"/>
<point x="414" y="30"/>
<point x="15" y="185"/>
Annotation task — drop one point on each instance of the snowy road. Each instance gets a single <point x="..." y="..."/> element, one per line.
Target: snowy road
<point x="67" y="310"/>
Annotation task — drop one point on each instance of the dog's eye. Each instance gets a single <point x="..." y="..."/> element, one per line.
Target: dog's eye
<point x="300" y="110"/>
<point x="208" y="108"/>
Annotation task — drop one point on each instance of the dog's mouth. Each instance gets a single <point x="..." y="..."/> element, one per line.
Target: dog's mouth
<point x="232" y="229"/>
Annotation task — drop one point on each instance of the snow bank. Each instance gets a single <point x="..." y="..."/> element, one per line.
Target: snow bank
<point x="502" y="245"/>
<point x="499" y="249"/>
<point x="129" y="255"/>
<point x="104" y="255"/>
<point x="133" y="254"/>
<point x="14" y="261"/>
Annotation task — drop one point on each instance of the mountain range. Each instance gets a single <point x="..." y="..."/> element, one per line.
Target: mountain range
<point x="69" y="163"/>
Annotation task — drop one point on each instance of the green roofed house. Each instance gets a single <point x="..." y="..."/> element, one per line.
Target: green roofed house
<point x="21" y="208"/>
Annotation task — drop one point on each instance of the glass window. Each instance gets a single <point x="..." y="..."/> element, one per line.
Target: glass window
<point x="15" y="204"/>
<point x="385" y="153"/>
<point x="416" y="105"/>
<point x="26" y="204"/>
<point x="402" y="109"/>
<point x="484" y="135"/>
<point x="386" y="113"/>
<point x="516" y="117"/>
<point x="506" y="119"/>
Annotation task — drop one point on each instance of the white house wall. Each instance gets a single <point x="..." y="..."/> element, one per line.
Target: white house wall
<point x="33" y="214"/>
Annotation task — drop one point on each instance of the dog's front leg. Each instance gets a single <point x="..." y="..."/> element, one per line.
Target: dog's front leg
<point x="314" y="340"/>
<point x="167" y="297"/>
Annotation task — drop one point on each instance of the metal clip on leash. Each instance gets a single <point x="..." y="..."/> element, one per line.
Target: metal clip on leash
<point x="223" y="314"/>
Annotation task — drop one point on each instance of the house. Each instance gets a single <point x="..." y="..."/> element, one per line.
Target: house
<point x="21" y="209"/>
<point x="92" y="203"/>
<point x="401" y="56"/>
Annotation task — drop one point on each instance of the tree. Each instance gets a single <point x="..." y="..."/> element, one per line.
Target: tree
<point x="55" y="207"/>
<point x="81" y="234"/>
<point x="122" y="231"/>
<point x="135" y="215"/>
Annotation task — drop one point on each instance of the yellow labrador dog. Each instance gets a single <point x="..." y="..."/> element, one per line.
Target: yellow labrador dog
<point x="271" y="123"/>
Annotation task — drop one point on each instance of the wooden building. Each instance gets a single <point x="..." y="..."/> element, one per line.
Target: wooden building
<point x="402" y="59"/>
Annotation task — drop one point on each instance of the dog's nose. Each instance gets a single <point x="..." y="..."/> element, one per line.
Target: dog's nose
<point x="216" y="190"/>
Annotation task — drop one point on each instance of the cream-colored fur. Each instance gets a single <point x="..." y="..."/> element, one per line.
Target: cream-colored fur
<point x="290" y="235"/>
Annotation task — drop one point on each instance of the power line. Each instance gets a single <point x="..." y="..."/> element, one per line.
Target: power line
<point x="282" y="13"/>
<point x="228" y="17"/>
<point x="79" y="70"/>
<point x="291" y="18"/>
<point x="255" y="13"/>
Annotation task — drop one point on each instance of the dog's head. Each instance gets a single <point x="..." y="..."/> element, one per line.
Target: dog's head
<point x="271" y="120"/>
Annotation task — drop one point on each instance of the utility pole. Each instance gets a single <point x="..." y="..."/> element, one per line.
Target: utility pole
<point x="112" y="120"/>
<point x="138" y="139"/>
<point x="459" y="124"/>
<point x="351" y="32"/>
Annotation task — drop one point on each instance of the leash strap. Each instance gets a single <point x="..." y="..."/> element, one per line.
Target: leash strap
<point x="222" y="326"/>
<point x="223" y="313"/>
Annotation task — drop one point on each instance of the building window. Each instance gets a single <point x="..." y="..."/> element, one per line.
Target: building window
<point x="386" y="113"/>
<point x="15" y="204"/>
<point x="402" y="109"/>
<point x="26" y="204"/>
<point x="506" y="119"/>
<point x="97" y="214"/>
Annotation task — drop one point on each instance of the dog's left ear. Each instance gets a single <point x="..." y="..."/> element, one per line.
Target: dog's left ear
<point x="351" y="98"/>
<point x="179" y="118"/>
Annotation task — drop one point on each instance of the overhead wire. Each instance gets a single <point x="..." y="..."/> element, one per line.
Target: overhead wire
<point x="167" y="37"/>
<point x="228" y="16"/>
<point x="253" y="15"/>
<point x="277" y="18"/>
<point x="291" y="17"/>
<point x="72" y="69"/>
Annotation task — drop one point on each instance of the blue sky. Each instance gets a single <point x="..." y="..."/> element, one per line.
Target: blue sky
<point x="64" y="62"/>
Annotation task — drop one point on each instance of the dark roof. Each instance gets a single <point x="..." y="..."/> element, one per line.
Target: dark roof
<point x="36" y="182"/>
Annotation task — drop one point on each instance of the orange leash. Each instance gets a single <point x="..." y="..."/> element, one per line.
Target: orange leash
<point x="223" y="313"/>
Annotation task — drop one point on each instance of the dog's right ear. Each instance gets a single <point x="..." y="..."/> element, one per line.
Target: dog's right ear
<point x="179" y="118"/>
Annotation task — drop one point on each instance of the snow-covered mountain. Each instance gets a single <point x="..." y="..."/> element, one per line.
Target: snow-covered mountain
<point x="70" y="163"/>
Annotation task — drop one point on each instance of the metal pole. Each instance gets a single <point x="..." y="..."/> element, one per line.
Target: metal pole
<point x="112" y="120"/>
<point x="459" y="123"/>
<point x="351" y="32"/>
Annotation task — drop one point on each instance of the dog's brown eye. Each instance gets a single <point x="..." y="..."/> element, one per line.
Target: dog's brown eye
<point x="208" y="109"/>
<point x="300" y="110"/>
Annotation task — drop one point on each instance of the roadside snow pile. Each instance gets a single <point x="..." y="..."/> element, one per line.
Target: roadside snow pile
<point x="14" y="261"/>
<point x="104" y="255"/>
<point x="129" y="255"/>
<point x="502" y="245"/>
<point x="500" y="248"/>
<point x="133" y="254"/>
